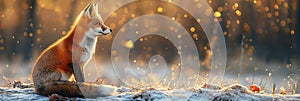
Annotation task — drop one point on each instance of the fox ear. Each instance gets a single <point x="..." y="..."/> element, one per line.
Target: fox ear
<point x="95" y="7"/>
<point x="91" y="9"/>
<point x="88" y="10"/>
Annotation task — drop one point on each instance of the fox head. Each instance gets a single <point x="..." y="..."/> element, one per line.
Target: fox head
<point x="91" y="21"/>
<point x="96" y="23"/>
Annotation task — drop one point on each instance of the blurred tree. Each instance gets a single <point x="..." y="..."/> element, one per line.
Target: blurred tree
<point x="297" y="35"/>
<point x="11" y="31"/>
<point x="30" y="30"/>
<point x="1" y="31"/>
<point x="294" y="39"/>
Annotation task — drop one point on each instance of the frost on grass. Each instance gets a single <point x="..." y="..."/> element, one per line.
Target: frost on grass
<point x="13" y="94"/>
<point x="234" y="92"/>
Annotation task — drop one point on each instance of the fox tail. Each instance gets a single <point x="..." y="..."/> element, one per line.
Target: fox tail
<point x="75" y="89"/>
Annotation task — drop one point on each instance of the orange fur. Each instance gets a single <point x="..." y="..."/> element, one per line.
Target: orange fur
<point x="54" y="68"/>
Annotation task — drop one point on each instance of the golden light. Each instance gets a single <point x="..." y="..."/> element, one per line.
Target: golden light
<point x="283" y="23"/>
<point x="237" y="21"/>
<point x="246" y="27"/>
<point x="269" y="15"/>
<point x="185" y="15"/>
<point x="160" y="9"/>
<point x="63" y="33"/>
<point x="30" y="34"/>
<point x="267" y="9"/>
<point x="129" y="44"/>
<point x="192" y="29"/>
<point x="141" y="39"/>
<point x="276" y="6"/>
<point x="235" y="6"/>
<point x="195" y="36"/>
<point x="254" y="1"/>
<point x="198" y="20"/>
<point x="286" y="5"/>
<point x="173" y="18"/>
<point x="179" y="36"/>
<point x="292" y="32"/>
<point x="38" y="31"/>
<point x="238" y="12"/>
<point x="25" y="34"/>
<point x="31" y="25"/>
<point x="136" y="32"/>
<point x="276" y="13"/>
<point x="220" y="9"/>
<point x="178" y="64"/>
<point x="133" y="15"/>
<point x="114" y="52"/>
<point x="217" y="14"/>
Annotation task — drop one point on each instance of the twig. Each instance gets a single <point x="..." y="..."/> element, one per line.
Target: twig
<point x="9" y="82"/>
<point x="21" y="85"/>
<point x="99" y="80"/>
<point x="274" y="88"/>
<point x="242" y="56"/>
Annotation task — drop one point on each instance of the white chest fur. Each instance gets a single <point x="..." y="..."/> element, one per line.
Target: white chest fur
<point x="88" y="45"/>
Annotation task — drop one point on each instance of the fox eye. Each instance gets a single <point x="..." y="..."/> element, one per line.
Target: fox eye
<point x="97" y="23"/>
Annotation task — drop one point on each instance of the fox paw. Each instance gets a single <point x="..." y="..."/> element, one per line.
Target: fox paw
<point x="94" y="90"/>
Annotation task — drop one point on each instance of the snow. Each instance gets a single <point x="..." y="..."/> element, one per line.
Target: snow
<point x="234" y="92"/>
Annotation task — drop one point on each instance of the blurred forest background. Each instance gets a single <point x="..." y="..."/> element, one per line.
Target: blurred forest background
<point x="261" y="35"/>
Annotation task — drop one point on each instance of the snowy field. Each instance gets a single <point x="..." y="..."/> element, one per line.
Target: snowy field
<point x="230" y="93"/>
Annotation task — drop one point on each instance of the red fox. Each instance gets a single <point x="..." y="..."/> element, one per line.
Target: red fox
<point x="54" y="70"/>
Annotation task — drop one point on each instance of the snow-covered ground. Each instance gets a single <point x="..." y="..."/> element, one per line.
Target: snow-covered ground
<point x="233" y="92"/>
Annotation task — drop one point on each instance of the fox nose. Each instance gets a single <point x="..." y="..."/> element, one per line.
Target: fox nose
<point x="107" y="31"/>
